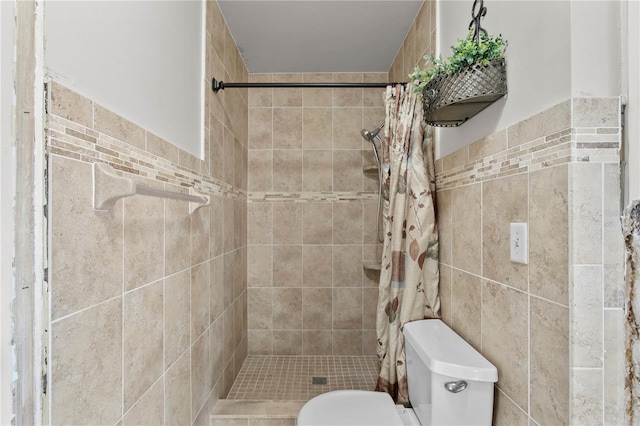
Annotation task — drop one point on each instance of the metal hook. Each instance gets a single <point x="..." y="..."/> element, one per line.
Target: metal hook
<point x="475" y="22"/>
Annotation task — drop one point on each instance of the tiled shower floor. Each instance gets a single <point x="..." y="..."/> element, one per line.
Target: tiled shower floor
<point x="290" y="378"/>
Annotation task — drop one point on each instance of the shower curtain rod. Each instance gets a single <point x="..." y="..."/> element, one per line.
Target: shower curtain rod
<point x="221" y="85"/>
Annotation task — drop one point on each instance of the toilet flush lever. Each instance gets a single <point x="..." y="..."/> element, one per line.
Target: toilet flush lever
<point x="455" y="387"/>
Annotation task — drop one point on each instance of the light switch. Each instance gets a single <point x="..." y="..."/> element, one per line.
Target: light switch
<point x="519" y="243"/>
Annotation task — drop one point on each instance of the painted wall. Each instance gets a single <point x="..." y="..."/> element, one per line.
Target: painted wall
<point x="100" y="50"/>
<point x="7" y="191"/>
<point x="557" y="49"/>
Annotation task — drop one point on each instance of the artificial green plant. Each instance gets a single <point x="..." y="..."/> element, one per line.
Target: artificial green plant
<point x="466" y="52"/>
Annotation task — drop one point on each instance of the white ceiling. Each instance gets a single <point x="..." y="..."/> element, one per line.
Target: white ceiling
<point x="319" y="35"/>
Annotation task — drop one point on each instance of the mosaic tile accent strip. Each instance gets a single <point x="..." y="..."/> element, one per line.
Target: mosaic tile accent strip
<point x="290" y="378"/>
<point x="72" y="140"/>
<point x="596" y="145"/>
<point x="311" y="197"/>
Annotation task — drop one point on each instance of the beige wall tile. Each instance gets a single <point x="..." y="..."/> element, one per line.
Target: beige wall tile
<point x="489" y="145"/>
<point x="287" y="266"/>
<point x="317" y="96"/>
<point x="216" y="349"/>
<point x="505" y="327"/>
<point x="86" y="369"/>
<point x="115" y="126"/>
<point x="260" y="128"/>
<point x="216" y="147"/>
<point x="347" y="170"/>
<point x="287" y="97"/>
<point x="287" y="342"/>
<point x="177" y="316"/>
<point x="445" y="232"/>
<point x="445" y="294"/>
<point x="548" y="234"/>
<point x="87" y="267"/>
<point x="199" y="299"/>
<point x="316" y="128"/>
<point x="162" y="148"/>
<point x="287" y="170"/>
<point x="199" y="230"/>
<point x="317" y="266"/>
<point x="287" y="128"/>
<point x="287" y="223"/>
<point x="216" y="225"/>
<point x="347" y="342"/>
<point x="317" y="170"/>
<point x="259" y="223"/>
<point x="347" y="223"/>
<point x="177" y="236"/>
<point x="347" y="123"/>
<point x="347" y="97"/>
<point x="506" y="413"/>
<point x="504" y="201"/>
<point x="216" y="288"/>
<point x="586" y="400"/>
<point x="596" y="112"/>
<point x="260" y="309"/>
<point x="260" y="268"/>
<point x="287" y="309"/>
<point x="261" y="166"/>
<point x="149" y="410"/>
<point x="316" y="342"/>
<point x="549" y="336"/>
<point x="177" y="402"/>
<point x="466" y="237"/>
<point x="585" y="197"/>
<point x="69" y="105"/>
<point x="545" y="123"/>
<point x="143" y="340"/>
<point x="614" y="366"/>
<point x="586" y="316"/>
<point x="260" y="96"/>
<point x="317" y="306"/>
<point x="369" y="308"/>
<point x="465" y="307"/>
<point x="260" y="342"/>
<point x="347" y="308"/>
<point x="143" y="240"/>
<point x="200" y="373"/>
<point x="317" y="222"/>
<point x="347" y="266"/>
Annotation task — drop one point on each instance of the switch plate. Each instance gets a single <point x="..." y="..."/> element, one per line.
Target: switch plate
<point x="519" y="243"/>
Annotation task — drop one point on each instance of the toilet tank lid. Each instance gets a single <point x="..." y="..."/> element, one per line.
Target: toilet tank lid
<point x="446" y="353"/>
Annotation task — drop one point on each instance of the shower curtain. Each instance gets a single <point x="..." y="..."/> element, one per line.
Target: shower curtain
<point x="409" y="278"/>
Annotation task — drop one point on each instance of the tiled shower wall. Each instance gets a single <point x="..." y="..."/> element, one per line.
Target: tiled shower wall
<point x="312" y="217"/>
<point x="554" y="327"/>
<point x="148" y="302"/>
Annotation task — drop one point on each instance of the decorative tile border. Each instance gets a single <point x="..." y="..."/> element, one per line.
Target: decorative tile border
<point x="77" y="141"/>
<point x="595" y="145"/>
<point x="311" y="197"/>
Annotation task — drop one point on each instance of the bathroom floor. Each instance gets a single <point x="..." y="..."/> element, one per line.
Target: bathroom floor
<point x="300" y="378"/>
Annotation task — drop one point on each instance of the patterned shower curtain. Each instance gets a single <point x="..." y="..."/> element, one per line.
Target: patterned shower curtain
<point x="409" y="278"/>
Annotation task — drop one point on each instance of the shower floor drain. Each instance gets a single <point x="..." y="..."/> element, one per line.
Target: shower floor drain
<point x="319" y="380"/>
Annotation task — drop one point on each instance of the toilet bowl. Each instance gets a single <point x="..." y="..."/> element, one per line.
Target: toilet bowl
<point x="450" y="383"/>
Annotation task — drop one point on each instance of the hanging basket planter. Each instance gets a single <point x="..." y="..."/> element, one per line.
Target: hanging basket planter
<point x="450" y="100"/>
<point x="456" y="88"/>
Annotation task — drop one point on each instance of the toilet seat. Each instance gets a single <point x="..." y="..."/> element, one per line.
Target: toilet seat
<point x="350" y="407"/>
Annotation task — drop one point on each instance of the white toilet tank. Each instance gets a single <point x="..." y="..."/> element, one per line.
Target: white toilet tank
<point x="450" y="383"/>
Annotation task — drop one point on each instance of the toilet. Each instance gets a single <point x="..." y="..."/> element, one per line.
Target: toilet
<point x="450" y="383"/>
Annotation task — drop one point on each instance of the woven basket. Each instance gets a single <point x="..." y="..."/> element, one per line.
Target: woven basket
<point x="450" y="100"/>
